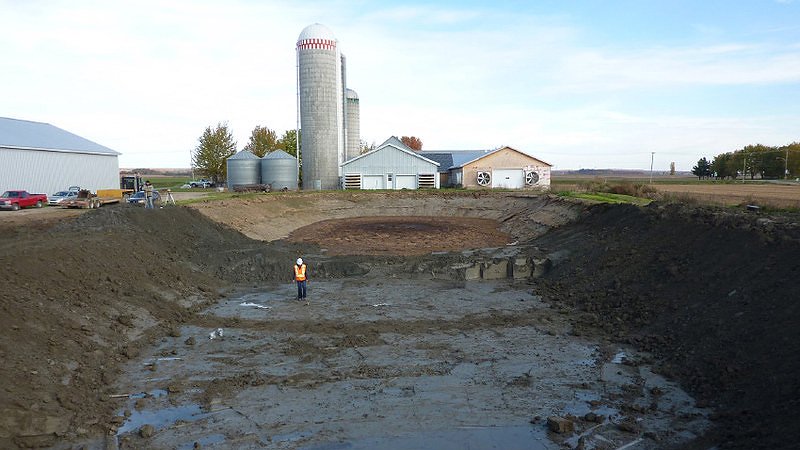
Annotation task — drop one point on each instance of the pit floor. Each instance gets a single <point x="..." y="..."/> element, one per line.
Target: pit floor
<point x="394" y="364"/>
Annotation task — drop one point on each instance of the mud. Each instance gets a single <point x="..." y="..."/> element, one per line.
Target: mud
<point x="656" y="327"/>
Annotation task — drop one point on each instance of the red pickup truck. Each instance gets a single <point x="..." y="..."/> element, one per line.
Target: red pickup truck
<point x="15" y="200"/>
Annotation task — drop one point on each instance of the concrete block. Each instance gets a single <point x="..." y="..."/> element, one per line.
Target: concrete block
<point x="560" y="425"/>
<point x="466" y="271"/>
<point x="521" y="269"/>
<point x="472" y="272"/>
<point x="495" y="270"/>
<point x="541" y="266"/>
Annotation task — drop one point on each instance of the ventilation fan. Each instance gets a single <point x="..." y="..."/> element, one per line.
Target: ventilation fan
<point x="531" y="178"/>
<point x="484" y="178"/>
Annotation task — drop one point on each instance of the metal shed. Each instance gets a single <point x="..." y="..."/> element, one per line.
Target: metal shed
<point x="391" y="166"/>
<point x="42" y="158"/>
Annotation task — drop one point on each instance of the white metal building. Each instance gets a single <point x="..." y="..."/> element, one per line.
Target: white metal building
<point x="391" y="166"/>
<point x="43" y="159"/>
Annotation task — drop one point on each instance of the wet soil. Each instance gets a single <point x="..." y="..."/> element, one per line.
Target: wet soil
<point x="702" y="296"/>
<point x="392" y="235"/>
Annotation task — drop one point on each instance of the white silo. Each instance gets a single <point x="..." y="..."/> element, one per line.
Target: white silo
<point x="320" y="95"/>
<point x="353" y="125"/>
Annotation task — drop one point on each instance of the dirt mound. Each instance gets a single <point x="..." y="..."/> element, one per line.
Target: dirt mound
<point x="82" y="296"/>
<point x="710" y="293"/>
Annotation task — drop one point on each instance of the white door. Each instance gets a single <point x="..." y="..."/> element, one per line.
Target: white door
<point x="508" y="178"/>
<point x="372" y="182"/>
<point x="405" y="182"/>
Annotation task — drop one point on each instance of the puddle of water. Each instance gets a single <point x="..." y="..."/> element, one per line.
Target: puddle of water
<point x="156" y="393"/>
<point x="160" y="418"/>
<point x="291" y="437"/>
<point x="203" y="441"/>
<point x="507" y="438"/>
<point x="254" y="305"/>
<point x="581" y="405"/>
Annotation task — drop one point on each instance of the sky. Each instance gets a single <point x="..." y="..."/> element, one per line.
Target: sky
<point x="581" y="84"/>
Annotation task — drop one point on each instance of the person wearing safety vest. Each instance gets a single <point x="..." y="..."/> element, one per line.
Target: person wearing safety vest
<point x="300" y="277"/>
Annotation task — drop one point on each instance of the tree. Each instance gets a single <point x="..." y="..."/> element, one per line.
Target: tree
<point x="288" y="142"/>
<point x="412" y="142"/>
<point x="214" y="148"/>
<point x="792" y="152"/>
<point x="702" y="169"/>
<point x="724" y="166"/>
<point x="262" y="141"/>
<point x="365" y="147"/>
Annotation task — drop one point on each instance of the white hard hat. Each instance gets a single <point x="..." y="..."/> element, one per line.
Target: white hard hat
<point x="299" y="261"/>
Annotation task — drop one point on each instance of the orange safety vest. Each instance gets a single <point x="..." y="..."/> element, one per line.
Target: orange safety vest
<point x="300" y="272"/>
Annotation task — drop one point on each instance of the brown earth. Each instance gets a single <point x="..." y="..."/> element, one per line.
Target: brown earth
<point x="405" y="236"/>
<point x="765" y="195"/>
<point x="708" y="292"/>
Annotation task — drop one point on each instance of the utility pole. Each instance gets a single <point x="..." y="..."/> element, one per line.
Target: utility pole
<point x="744" y="166"/>
<point x="191" y="163"/>
<point x="652" y="155"/>
<point x="786" y="165"/>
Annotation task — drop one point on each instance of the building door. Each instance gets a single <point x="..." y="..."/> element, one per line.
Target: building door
<point x="372" y="182"/>
<point x="508" y="178"/>
<point x="405" y="182"/>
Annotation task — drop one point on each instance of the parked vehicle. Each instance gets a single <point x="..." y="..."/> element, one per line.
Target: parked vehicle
<point x="201" y="183"/>
<point x="14" y="200"/>
<point x="55" y="199"/>
<point x="138" y="198"/>
<point x="88" y="200"/>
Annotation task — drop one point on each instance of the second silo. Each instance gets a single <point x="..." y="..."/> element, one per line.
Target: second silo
<point x="279" y="170"/>
<point x="353" y="126"/>
<point x="244" y="168"/>
<point x="319" y="86"/>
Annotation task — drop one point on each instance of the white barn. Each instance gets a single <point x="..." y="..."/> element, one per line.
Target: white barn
<point x="391" y="166"/>
<point x="41" y="158"/>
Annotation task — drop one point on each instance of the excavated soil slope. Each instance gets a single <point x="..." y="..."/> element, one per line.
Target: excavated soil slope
<point x="709" y="293"/>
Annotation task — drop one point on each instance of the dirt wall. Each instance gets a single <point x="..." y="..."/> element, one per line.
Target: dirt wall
<point x="710" y="293"/>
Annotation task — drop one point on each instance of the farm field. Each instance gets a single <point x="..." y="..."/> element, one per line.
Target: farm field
<point x="771" y="195"/>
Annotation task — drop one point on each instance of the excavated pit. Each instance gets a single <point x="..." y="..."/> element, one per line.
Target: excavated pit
<point x="640" y="326"/>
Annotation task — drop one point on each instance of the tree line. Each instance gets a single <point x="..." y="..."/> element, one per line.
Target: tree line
<point x="763" y="161"/>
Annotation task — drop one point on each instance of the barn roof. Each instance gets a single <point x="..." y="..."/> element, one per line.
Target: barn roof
<point x="395" y="143"/>
<point x="460" y="158"/>
<point x="29" y="135"/>
<point x="452" y="159"/>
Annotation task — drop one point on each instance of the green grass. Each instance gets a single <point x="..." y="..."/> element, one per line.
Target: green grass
<point x="605" y="197"/>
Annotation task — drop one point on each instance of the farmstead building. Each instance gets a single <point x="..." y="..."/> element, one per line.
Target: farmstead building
<point x="504" y="167"/>
<point x="391" y="166"/>
<point x="41" y="158"/>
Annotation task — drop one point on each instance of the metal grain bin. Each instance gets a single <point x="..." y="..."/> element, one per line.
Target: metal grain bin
<point x="279" y="170"/>
<point x="244" y="168"/>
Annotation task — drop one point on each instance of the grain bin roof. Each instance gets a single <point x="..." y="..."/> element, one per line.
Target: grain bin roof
<point x="244" y="154"/>
<point x="28" y="135"/>
<point x="278" y="154"/>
